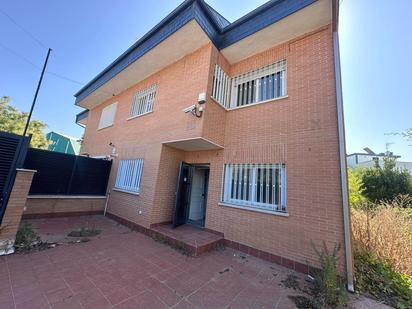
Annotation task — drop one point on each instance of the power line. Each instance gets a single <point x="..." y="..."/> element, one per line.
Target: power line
<point x="65" y="78"/>
<point x="16" y="54"/>
<point x="23" y="29"/>
<point x="19" y="56"/>
<point x="44" y="46"/>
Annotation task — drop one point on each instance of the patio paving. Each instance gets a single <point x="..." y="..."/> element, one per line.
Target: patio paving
<point x="125" y="269"/>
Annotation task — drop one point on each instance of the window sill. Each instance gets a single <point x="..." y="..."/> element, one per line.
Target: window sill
<point x="276" y="213"/>
<point x="125" y="191"/>
<point x="137" y="116"/>
<point x="250" y="105"/>
<point x="99" y="129"/>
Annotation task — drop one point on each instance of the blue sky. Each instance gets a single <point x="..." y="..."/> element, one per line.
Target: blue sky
<point x="87" y="35"/>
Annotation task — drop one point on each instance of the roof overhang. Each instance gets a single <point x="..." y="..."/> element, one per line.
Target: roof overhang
<point x="81" y="118"/>
<point x="186" y="40"/>
<point x="193" y="144"/>
<point x="193" y="24"/>
<point x="308" y="19"/>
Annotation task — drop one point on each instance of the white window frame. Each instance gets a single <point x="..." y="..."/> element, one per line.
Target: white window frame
<point x="232" y="186"/>
<point x="142" y="102"/>
<point x="226" y="91"/>
<point x="107" y="116"/>
<point x="129" y="175"/>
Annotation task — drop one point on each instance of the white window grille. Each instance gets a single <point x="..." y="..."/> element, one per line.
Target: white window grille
<point x="129" y="175"/>
<point x="107" y="116"/>
<point x="256" y="86"/>
<point x="260" y="186"/>
<point x="221" y="87"/>
<point x="142" y="101"/>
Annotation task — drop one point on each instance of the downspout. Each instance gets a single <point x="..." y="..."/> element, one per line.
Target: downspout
<point x="107" y="202"/>
<point x="342" y="155"/>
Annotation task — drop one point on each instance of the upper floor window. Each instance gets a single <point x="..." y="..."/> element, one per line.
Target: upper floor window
<point x="142" y="102"/>
<point x="107" y="116"/>
<point x="129" y="174"/>
<point x="256" y="86"/>
<point x="260" y="186"/>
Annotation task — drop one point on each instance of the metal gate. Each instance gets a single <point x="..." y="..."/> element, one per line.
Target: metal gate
<point x="13" y="150"/>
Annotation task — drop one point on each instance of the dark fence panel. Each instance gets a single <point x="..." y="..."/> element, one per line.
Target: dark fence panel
<point x="65" y="174"/>
<point x="90" y="176"/>
<point x="13" y="149"/>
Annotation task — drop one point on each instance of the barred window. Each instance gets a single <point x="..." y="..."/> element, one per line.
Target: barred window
<point x="261" y="186"/>
<point x="142" y="102"/>
<point x="260" y="85"/>
<point x="256" y="86"/>
<point x="129" y="174"/>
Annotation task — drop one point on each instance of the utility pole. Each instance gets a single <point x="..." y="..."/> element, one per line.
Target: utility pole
<point x="37" y="91"/>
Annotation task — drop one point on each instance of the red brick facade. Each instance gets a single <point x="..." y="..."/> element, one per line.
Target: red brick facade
<point x="299" y="130"/>
<point x="15" y="207"/>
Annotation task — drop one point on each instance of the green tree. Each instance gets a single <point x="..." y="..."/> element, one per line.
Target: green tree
<point x="407" y="134"/>
<point x="355" y="187"/>
<point x="385" y="183"/>
<point x="13" y="121"/>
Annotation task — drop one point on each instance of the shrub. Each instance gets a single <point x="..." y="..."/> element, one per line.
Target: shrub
<point x="329" y="289"/>
<point x="355" y="187"/>
<point x="386" y="232"/>
<point x="26" y="237"/>
<point x="377" y="278"/>
<point x="385" y="183"/>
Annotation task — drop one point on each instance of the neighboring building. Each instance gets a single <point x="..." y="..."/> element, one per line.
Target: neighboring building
<point x="249" y="112"/>
<point x="369" y="158"/>
<point x="63" y="143"/>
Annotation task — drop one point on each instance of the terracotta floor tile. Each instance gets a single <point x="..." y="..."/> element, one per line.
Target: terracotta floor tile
<point x="207" y="297"/>
<point x="59" y="295"/>
<point x="117" y="296"/>
<point x="124" y="269"/>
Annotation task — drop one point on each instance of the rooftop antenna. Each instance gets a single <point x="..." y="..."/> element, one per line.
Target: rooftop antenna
<point x="387" y="144"/>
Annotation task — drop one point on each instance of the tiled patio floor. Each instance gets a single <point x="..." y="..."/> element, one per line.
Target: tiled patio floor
<point x="125" y="269"/>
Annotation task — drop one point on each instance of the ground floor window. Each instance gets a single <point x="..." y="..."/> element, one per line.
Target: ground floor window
<point x="261" y="186"/>
<point x="129" y="174"/>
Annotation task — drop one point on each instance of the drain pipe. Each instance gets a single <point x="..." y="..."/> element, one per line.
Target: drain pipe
<point x="342" y="154"/>
<point x="107" y="202"/>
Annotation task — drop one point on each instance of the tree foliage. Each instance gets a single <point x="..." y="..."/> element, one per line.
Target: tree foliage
<point x="355" y="187"/>
<point x="385" y="183"/>
<point x="407" y="134"/>
<point x="14" y="121"/>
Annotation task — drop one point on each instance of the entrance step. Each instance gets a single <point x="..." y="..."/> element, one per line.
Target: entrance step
<point x="191" y="240"/>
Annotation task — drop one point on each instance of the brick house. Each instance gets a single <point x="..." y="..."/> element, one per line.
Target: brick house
<point x="233" y="127"/>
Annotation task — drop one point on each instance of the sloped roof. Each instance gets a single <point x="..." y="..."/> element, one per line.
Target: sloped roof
<point x="73" y="141"/>
<point x="220" y="31"/>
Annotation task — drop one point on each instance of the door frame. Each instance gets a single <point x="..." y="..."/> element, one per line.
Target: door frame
<point x="205" y="190"/>
<point x="176" y="220"/>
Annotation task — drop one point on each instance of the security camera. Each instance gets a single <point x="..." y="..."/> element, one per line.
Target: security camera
<point x="190" y="109"/>
<point x="202" y="98"/>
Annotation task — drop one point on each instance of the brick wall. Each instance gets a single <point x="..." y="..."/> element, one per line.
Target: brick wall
<point x="50" y="206"/>
<point x="300" y="130"/>
<point x="14" y="210"/>
<point x="178" y="86"/>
